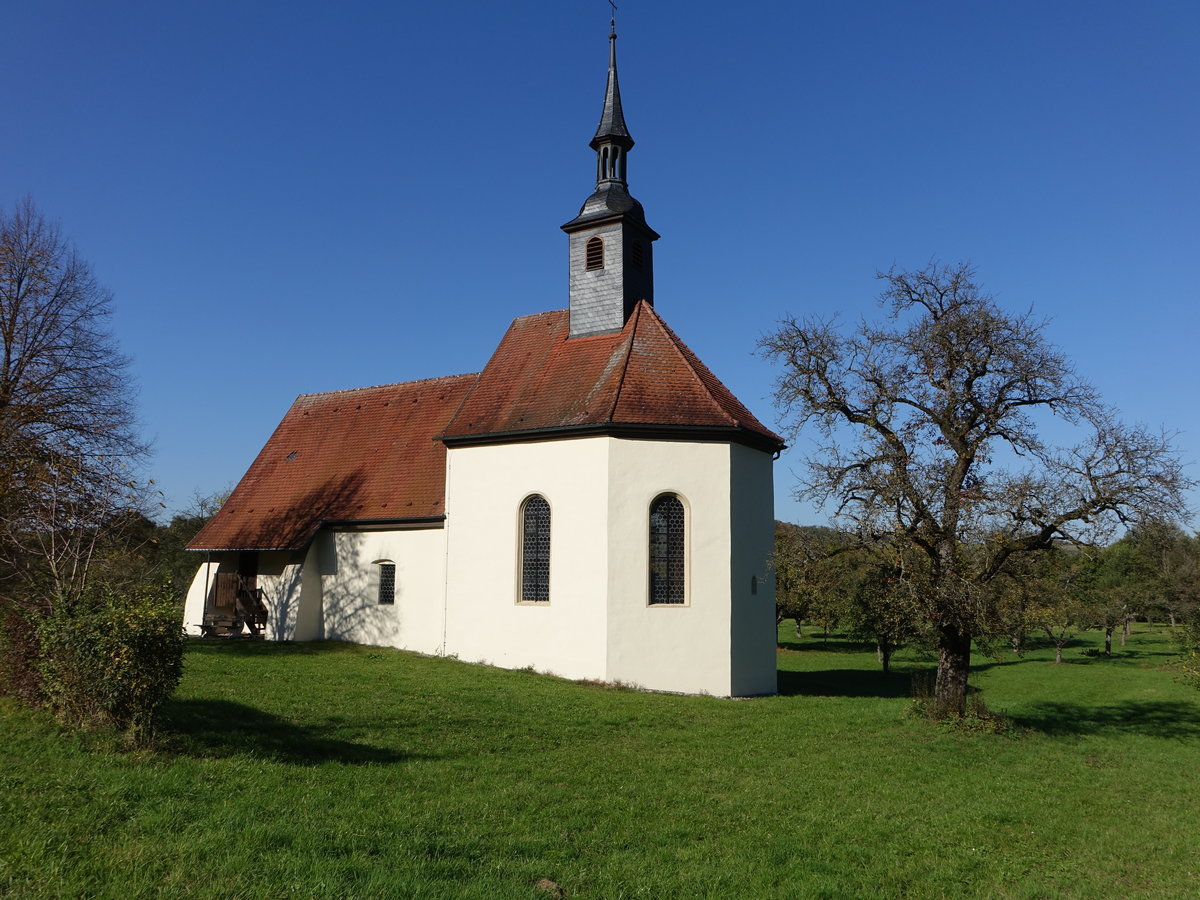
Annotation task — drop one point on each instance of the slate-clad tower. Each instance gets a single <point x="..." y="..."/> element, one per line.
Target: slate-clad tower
<point x="611" y="246"/>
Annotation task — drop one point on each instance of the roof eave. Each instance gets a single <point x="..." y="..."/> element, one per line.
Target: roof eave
<point x="631" y="430"/>
<point x="400" y="524"/>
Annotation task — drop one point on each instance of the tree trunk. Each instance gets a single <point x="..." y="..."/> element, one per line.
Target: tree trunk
<point x="1058" y="653"/>
<point x="884" y="652"/>
<point x="1125" y="631"/>
<point x="1171" y="617"/>
<point x="954" y="664"/>
<point x="1108" y="630"/>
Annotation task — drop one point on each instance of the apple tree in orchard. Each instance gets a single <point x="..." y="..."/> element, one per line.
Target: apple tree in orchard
<point x="936" y="424"/>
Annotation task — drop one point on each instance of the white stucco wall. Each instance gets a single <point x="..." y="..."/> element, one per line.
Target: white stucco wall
<point x="279" y="576"/>
<point x="193" y="603"/>
<point x="350" y="587"/>
<point x="599" y="623"/>
<point x="457" y="588"/>
<point x="485" y="622"/>
<point x="669" y="647"/>
<point x="752" y="583"/>
<point x="327" y="591"/>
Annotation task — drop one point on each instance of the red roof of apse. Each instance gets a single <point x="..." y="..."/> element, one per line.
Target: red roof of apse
<point x="642" y="377"/>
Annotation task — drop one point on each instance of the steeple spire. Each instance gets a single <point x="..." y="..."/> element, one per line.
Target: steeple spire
<point x="612" y="140"/>
<point x="611" y="254"/>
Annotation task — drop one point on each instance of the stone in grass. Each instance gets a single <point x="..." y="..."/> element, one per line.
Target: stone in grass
<point x="549" y="887"/>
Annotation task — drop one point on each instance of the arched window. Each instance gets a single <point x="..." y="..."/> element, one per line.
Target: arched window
<point x="594" y="254"/>
<point x="535" y="550"/>
<point x="385" y="577"/>
<point x="668" y="550"/>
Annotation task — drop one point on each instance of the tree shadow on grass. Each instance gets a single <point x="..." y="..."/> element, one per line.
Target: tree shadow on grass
<point x="221" y="728"/>
<point x="817" y="645"/>
<point x="845" y="683"/>
<point x="246" y="646"/>
<point x="1157" y="718"/>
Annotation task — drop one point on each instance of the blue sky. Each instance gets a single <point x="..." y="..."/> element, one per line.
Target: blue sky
<point x="297" y="197"/>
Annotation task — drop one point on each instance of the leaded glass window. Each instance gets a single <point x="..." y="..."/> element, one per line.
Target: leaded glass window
<point x="668" y="564"/>
<point x="535" y="550"/>
<point x="387" y="583"/>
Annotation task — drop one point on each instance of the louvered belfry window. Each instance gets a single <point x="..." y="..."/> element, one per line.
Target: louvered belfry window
<point x="668" y="564"/>
<point x="594" y="253"/>
<point x="535" y="550"/>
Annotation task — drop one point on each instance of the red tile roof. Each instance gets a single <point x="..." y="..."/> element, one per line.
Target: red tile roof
<point x="642" y="378"/>
<point x="372" y="454"/>
<point x="359" y="455"/>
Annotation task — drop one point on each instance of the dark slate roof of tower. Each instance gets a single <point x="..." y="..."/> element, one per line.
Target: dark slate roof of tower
<point x="610" y="199"/>
<point x="612" y="120"/>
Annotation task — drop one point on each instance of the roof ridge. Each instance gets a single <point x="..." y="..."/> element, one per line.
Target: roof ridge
<point x="689" y="360"/>
<point x="390" y="384"/>
<point x="637" y="318"/>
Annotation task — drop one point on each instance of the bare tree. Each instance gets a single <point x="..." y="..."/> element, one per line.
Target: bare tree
<point x="68" y="443"/>
<point x="934" y="424"/>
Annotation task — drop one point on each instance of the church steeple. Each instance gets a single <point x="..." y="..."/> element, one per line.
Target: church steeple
<point x="612" y="141"/>
<point x="610" y="244"/>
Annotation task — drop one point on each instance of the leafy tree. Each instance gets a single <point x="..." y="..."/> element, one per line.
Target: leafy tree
<point x="1164" y="560"/>
<point x="1040" y="592"/>
<point x="1114" y="588"/>
<point x="934" y="426"/>
<point x="1182" y="577"/>
<point x="788" y="562"/>
<point x="1189" y="640"/>
<point x="1060" y="621"/>
<point x="881" y="604"/>
<point x="809" y="576"/>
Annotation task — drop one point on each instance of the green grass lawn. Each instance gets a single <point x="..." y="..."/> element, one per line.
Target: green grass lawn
<point x="332" y="770"/>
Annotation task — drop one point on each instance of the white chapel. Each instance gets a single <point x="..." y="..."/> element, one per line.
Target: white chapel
<point x="594" y="503"/>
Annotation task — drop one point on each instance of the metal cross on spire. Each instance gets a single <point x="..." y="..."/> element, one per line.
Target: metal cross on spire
<point x="613" y="20"/>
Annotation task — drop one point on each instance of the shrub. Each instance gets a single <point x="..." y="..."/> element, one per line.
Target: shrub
<point x="112" y="661"/>
<point x="19" y="654"/>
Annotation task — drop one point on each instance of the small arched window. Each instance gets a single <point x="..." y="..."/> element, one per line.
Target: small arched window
<point x="594" y="253"/>
<point x="668" y="549"/>
<point x="385" y="575"/>
<point x="535" y="550"/>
